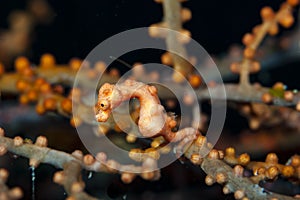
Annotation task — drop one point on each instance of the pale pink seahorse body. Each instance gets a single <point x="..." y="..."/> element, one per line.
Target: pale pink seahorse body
<point x="152" y="114"/>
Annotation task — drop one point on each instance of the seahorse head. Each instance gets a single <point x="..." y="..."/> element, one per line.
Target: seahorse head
<point x="108" y="99"/>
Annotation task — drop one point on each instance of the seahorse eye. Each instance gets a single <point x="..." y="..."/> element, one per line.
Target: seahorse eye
<point x="104" y="104"/>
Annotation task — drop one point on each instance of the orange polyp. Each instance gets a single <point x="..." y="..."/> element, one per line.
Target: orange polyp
<point x="22" y="85"/>
<point x="40" y="109"/>
<point x="267" y="98"/>
<point x="50" y="104"/>
<point x="166" y="59"/>
<point x="24" y="99"/>
<point x="288" y="95"/>
<point x="154" y="31"/>
<point x="255" y="67"/>
<point x="66" y="105"/>
<point x="75" y="121"/>
<point x="238" y="170"/>
<point x="288" y="171"/>
<point x="273" y="30"/>
<point x="271" y="158"/>
<point x="21" y="63"/>
<point x="249" y="53"/>
<point x="295" y="161"/>
<point x="88" y="159"/>
<point x="47" y="60"/>
<point x="209" y="180"/>
<point x="178" y="77"/>
<point x="45" y="87"/>
<point x="39" y="81"/>
<point x="267" y="13"/>
<point x="77" y="187"/>
<point x="195" y="80"/>
<point x="184" y="37"/>
<point x="138" y="70"/>
<point x="75" y="94"/>
<point x="188" y="99"/>
<point x="247" y="39"/>
<point x="186" y="14"/>
<point x="221" y="178"/>
<point x="32" y="95"/>
<point x="244" y="159"/>
<point x="127" y="177"/>
<point x="286" y="21"/>
<point x="235" y="68"/>
<point x="278" y="86"/>
<point x="196" y="159"/>
<point x="100" y="66"/>
<point x="293" y="2"/>
<point x="114" y="72"/>
<point x="75" y="63"/>
<point x="272" y="172"/>
<point x="27" y="72"/>
<point x="131" y="138"/>
<point x="41" y="141"/>
<point x="239" y="194"/>
<point x="18" y="141"/>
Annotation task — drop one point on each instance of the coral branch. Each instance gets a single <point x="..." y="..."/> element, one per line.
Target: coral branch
<point x="70" y="178"/>
<point x="254" y="94"/>
<point x="234" y="183"/>
<point x="57" y="74"/>
<point x="42" y="154"/>
<point x="176" y="37"/>
<point x="253" y="40"/>
<point x="73" y="163"/>
<point x="217" y="166"/>
<point x="172" y="18"/>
